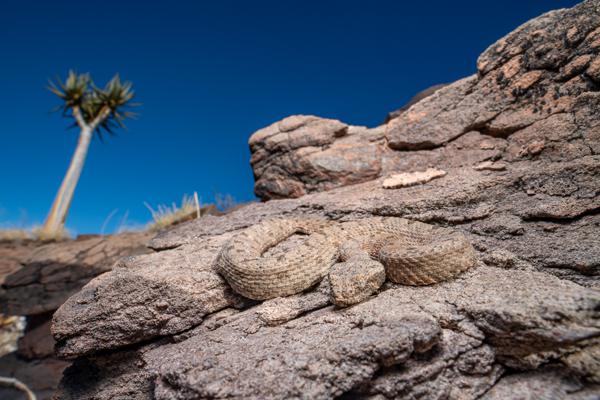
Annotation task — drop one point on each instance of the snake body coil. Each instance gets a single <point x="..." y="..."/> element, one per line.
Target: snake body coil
<point x="413" y="253"/>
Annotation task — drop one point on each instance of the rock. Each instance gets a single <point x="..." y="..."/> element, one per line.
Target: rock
<point x="439" y="374"/>
<point x="183" y="276"/>
<point x="525" y="99"/>
<point x="549" y="383"/>
<point x="322" y="357"/>
<point x="324" y="352"/>
<point x="49" y="274"/>
<point x="412" y="178"/>
<point x="283" y="309"/>
<point x="525" y="320"/>
<point x="594" y="70"/>
<point x="415" y="99"/>
<point x="301" y="153"/>
<point x="108" y="377"/>
<point x="12" y="253"/>
<point x="490" y="166"/>
<point x="139" y="301"/>
<point x="37" y="341"/>
<point x="36" y="279"/>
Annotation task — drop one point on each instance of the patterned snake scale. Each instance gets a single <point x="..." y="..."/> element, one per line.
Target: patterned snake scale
<point x="412" y="252"/>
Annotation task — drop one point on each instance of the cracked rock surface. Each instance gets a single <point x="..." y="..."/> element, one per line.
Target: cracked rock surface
<point x="520" y="145"/>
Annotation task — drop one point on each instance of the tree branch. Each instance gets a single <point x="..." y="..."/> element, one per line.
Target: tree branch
<point x="79" y="117"/>
<point x="17" y="384"/>
<point x="102" y="115"/>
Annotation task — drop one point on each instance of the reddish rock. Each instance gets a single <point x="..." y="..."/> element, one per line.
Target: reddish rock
<point x="291" y="156"/>
<point x="415" y="99"/>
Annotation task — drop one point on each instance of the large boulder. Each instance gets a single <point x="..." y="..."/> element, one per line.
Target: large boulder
<point x="520" y="147"/>
<point x="303" y="154"/>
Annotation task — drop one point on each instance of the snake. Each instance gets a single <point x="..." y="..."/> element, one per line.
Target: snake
<point x="411" y="252"/>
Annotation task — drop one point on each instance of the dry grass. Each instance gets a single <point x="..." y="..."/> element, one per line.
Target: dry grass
<point x="15" y="235"/>
<point x="165" y="216"/>
<point x="225" y="202"/>
<point x="35" y="233"/>
<point x="11" y="329"/>
<point x="38" y="233"/>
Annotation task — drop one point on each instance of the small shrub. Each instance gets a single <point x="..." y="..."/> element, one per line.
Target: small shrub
<point x="225" y="202"/>
<point x="38" y="233"/>
<point x="14" y="235"/>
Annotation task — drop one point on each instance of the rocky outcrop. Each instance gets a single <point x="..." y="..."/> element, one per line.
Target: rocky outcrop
<point x="12" y="253"/>
<point x="48" y="275"/>
<point x="519" y="144"/>
<point x="302" y="154"/>
<point x="414" y="100"/>
<point x="35" y="280"/>
<point x="533" y="97"/>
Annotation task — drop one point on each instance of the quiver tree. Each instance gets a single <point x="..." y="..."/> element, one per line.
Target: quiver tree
<point x="94" y="110"/>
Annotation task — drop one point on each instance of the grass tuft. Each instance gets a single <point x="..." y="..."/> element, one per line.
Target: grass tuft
<point x="38" y="233"/>
<point x="165" y="216"/>
<point x="15" y="235"/>
<point x="225" y="202"/>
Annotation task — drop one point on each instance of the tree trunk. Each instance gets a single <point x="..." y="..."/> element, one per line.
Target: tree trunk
<point x="58" y="213"/>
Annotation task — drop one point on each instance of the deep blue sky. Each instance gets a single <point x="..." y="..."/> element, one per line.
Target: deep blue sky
<point x="209" y="74"/>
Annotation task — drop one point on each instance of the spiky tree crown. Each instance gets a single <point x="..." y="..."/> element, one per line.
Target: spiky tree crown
<point x="103" y="108"/>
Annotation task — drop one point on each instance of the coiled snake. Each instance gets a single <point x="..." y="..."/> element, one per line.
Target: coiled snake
<point x="407" y="252"/>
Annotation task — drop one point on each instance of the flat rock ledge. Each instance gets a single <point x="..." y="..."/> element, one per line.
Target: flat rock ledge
<point x="520" y="144"/>
<point x="404" y="342"/>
